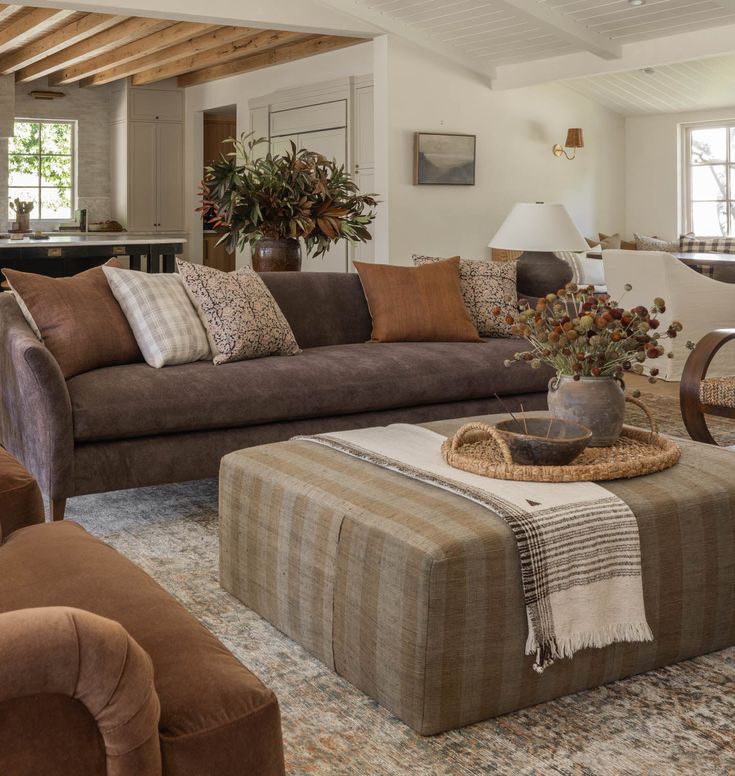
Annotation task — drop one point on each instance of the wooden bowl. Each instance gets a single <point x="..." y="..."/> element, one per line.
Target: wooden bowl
<point x="543" y="441"/>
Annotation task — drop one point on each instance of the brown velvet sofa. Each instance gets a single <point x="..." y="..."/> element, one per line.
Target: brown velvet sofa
<point x="103" y="673"/>
<point x="131" y="426"/>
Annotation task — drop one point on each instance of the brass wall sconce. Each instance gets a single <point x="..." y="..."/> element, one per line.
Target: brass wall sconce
<point x="574" y="141"/>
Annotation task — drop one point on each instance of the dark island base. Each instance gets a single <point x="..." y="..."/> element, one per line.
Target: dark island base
<point x="69" y="260"/>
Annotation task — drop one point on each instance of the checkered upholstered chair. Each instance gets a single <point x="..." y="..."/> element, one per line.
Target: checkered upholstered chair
<point x="701" y="395"/>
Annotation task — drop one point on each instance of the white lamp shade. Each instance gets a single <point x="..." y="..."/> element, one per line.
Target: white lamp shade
<point x="538" y="227"/>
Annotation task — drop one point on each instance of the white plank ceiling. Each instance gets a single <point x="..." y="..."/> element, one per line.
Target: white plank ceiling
<point x="697" y="85"/>
<point x="500" y="32"/>
<point x="657" y="18"/>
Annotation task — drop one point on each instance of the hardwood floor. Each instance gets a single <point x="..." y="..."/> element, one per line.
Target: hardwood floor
<point x="660" y="387"/>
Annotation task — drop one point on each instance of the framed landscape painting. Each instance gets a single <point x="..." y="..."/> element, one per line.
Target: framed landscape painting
<point x="444" y="160"/>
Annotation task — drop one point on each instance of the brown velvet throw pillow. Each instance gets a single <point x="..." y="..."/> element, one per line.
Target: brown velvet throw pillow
<point x="417" y="304"/>
<point x="78" y="319"/>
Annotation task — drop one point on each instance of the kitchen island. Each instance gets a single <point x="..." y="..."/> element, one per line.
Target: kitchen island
<point x="63" y="255"/>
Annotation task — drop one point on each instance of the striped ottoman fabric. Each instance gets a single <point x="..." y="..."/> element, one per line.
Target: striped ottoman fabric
<point x="413" y="594"/>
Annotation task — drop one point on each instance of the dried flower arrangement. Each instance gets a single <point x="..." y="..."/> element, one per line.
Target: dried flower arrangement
<point x="583" y="335"/>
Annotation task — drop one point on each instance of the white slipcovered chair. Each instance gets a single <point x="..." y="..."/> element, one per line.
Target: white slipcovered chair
<point x="700" y="303"/>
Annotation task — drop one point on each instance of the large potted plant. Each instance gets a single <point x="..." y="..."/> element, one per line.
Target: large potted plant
<point x="271" y="202"/>
<point x="591" y="343"/>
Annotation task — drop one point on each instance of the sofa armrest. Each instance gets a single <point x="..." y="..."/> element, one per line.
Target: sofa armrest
<point x="35" y="410"/>
<point x="62" y="651"/>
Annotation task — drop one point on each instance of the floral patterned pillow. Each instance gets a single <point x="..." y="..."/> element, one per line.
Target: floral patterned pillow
<point x="486" y="285"/>
<point x="242" y="317"/>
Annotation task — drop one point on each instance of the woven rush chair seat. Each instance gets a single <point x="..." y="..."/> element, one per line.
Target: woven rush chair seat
<point x="700" y="395"/>
<point x="718" y="392"/>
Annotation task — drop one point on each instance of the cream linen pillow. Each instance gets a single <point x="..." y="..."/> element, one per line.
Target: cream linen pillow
<point x="165" y="324"/>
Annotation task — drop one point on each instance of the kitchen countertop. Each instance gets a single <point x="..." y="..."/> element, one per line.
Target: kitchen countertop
<point x="94" y="238"/>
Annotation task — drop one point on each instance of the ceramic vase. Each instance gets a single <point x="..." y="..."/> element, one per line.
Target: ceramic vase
<point x="595" y="402"/>
<point x="276" y="256"/>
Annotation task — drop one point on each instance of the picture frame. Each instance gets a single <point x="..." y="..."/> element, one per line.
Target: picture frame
<point x="444" y="159"/>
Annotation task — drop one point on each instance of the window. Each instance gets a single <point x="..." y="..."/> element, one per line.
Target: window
<point x="710" y="188"/>
<point x="41" y="168"/>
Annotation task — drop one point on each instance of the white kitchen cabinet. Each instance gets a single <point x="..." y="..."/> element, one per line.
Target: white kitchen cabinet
<point x="170" y="177"/>
<point x="147" y="160"/>
<point x="141" y="191"/>
<point x="156" y="105"/>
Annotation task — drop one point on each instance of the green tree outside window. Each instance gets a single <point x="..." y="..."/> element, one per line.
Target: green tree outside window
<point x="41" y="168"/>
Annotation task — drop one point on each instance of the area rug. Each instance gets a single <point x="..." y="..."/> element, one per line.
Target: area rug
<point x="677" y="720"/>
<point x="665" y="409"/>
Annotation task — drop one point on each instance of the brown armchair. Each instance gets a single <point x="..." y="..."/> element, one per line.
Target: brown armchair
<point x="92" y="649"/>
<point x="21" y="502"/>
<point x="101" y="673"/>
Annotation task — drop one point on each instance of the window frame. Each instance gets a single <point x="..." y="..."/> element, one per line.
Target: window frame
<point x="73" y="155"/>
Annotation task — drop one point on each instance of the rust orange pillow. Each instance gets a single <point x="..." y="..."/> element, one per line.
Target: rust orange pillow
<point x="417" y="304"/>
<point x="78" y="319"/>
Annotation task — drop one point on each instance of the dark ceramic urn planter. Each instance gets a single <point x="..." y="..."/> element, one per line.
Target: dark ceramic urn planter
<point x="276" y="256"/>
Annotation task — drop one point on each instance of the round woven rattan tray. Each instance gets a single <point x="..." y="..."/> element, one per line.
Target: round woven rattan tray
<point x="479" y="449"/>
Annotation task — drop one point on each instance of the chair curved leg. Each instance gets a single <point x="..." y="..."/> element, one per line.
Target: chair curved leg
<point x="695" y="370"/>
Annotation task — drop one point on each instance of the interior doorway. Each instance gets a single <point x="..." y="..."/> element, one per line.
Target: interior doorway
<point x="219" y="125"/>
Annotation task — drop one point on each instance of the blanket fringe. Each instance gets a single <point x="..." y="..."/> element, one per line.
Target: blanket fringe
<point x="557" y="648"/>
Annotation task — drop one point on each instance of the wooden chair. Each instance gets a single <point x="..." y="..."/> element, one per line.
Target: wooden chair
<point x="700" y="396"/>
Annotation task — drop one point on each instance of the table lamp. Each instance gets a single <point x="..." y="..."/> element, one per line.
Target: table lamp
<point x="538" y="229"/>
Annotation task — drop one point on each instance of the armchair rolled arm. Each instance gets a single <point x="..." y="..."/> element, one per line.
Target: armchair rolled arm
<point x="35" y="409"/>
<point x="63" y="651"/>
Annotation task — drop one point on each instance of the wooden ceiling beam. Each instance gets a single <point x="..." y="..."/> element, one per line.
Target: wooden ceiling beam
<point x="48" y="44"/>
<point x="278" y="56"/>
<point x="121" y="33"/>
<point x="130" y="51"/>
<point x="191" y="47"/>
<point x="236" y="49"/>
<point x="26" y="21"/>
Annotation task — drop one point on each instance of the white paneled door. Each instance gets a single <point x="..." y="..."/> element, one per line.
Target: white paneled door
<point x="331" y="143"/>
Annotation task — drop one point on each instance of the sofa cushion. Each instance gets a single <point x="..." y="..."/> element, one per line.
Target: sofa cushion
<point x="78" y="318"/>
<point x="417" y="304"/>
<point x="322" y="308"/>
<point x="216" y="716"/>
<point x="241" y="316"/>
<point x="689" y="243"/>
<point x="486" y="285"/>
<point x="645" y="243"/>
<point x="135" y="400"/>
<point x="165" y="323"/>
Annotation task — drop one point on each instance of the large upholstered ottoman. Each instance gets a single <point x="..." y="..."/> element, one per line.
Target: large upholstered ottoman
<point x="413" y="594"/>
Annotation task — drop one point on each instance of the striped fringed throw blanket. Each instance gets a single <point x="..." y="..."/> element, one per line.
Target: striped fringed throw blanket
<point x="578" y="543"/>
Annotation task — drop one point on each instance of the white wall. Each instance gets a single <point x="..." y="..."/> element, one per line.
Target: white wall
<point x="515" y="132"/>
<point x="653" y="170"/>
<point x="238" y="91"/>
<point x="414" y="91"/>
